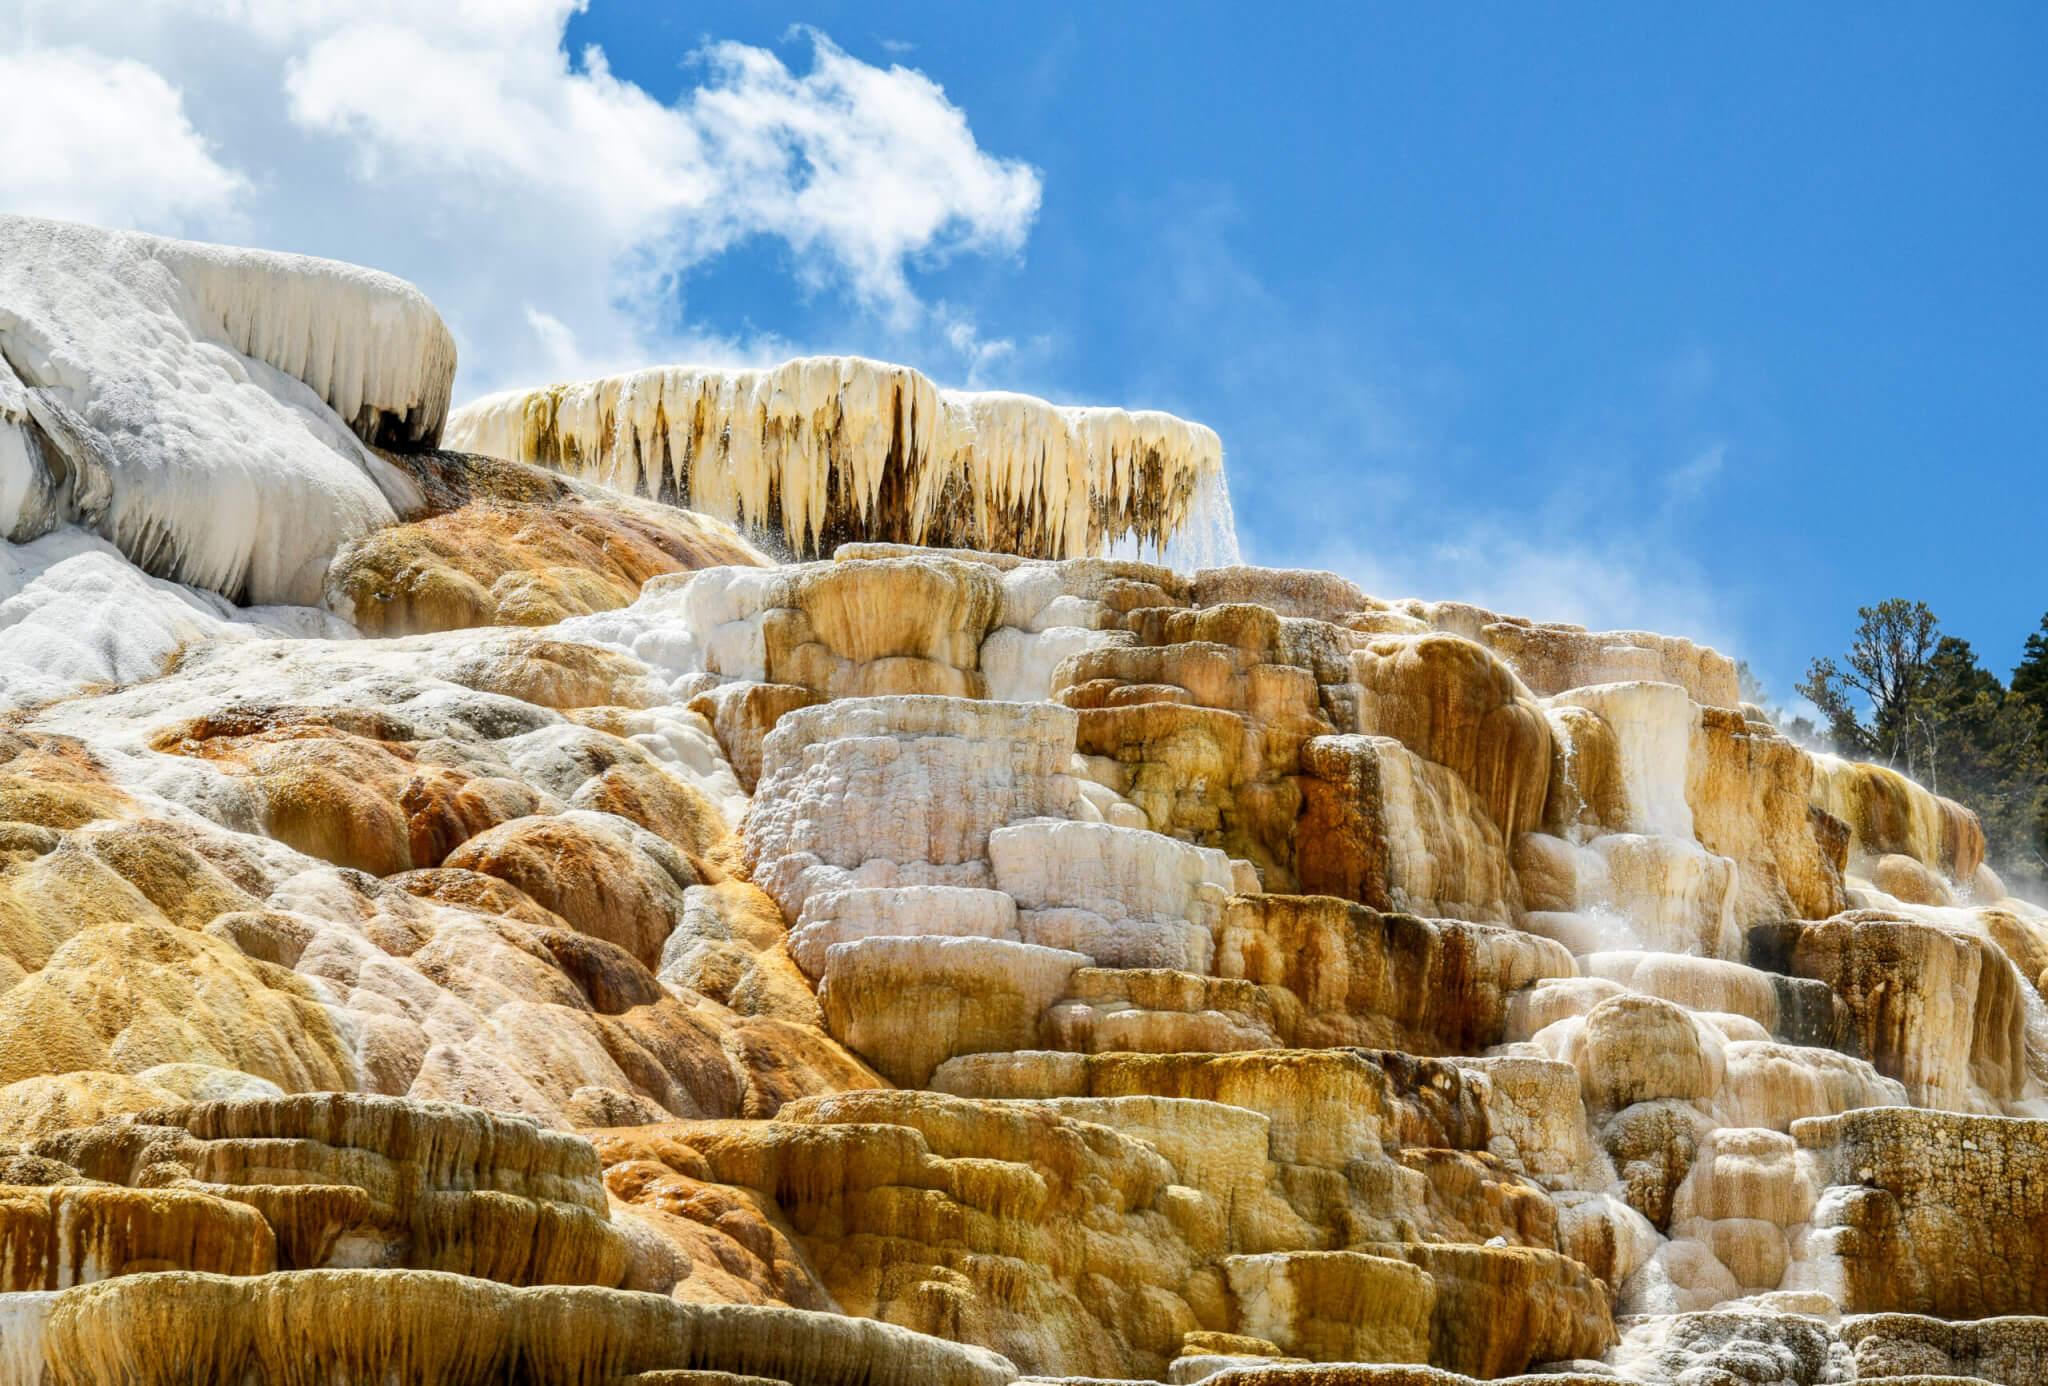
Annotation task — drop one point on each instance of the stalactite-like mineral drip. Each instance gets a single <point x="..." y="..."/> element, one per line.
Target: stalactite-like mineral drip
<point x="828" y="449"/>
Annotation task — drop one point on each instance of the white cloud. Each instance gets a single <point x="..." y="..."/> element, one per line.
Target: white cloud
<point x="1339" y="410"/>
<point x="553" y="210"/>
<point x="964" y="336"/>
<point x="857" y="167"/>
<point x="108" y="142"/>
<point x="1602" y="582"/>
<point x="564" y="356"/>
<point x="559" y="341"/>
<point x="1691" y="478"/>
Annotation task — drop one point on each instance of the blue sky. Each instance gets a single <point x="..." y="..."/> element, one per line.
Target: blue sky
<point x="1717" y="320"/>
<point x="1749" y="297"/>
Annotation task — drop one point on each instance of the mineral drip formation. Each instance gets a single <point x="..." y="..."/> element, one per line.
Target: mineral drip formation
<point x="470" y="921"/>
<point x="832" y="449"/>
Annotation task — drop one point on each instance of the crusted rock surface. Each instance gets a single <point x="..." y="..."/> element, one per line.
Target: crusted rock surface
<point x="582" y="949"/>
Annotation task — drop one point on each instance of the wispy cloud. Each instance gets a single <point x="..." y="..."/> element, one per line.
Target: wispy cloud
<point x="980" y="353"/>
<point x="554" y="210"/>
<point x="1690" y="479"/>
<point x="1601" y="582"/>
<point x="1349" y="450"/>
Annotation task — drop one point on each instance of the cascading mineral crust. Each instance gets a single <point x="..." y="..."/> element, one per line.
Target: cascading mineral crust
<point x="828" y="449"/>
<point x="504" y="925"/>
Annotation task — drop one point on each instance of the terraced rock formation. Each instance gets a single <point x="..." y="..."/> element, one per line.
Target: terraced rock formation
<point x="553" y="941"/>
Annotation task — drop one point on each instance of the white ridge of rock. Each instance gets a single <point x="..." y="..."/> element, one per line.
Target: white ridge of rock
<point x="1126" y="897"/>
<point x="75" y="614"/>
<point x="204" y="407"/>
<point x="900" y="791"/>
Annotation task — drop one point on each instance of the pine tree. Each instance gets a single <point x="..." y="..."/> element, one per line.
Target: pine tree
<point x="1928" y="707"/>
<point x="2030" y="678"/>
<point x="2030" y="684"/>
<point x="1885" y="663"/>
<point x="1980" y="744"/>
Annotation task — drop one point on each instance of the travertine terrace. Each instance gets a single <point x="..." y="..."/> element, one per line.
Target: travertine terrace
<point x="468" y="914"/>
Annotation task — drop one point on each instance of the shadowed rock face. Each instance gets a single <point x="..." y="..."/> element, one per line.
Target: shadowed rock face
<point x="500" y="544"/>
<point x="1932" y="1212"/>
<point x="417" y="1326"/>
<point x="1941" y="1009"/>
<point x="317" y="1180"/>
<point x="1342" y="974"/>
<point x="586" y="951"/>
